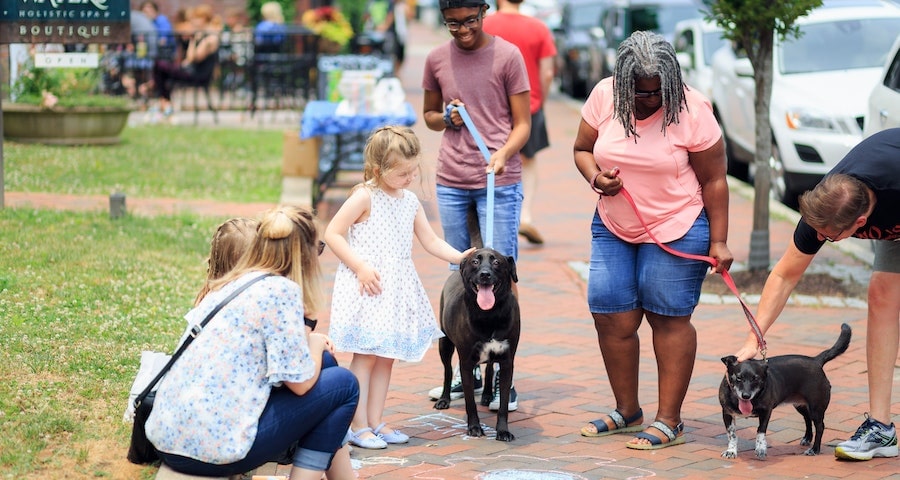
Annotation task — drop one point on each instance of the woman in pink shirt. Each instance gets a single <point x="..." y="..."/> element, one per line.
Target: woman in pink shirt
<point x="665" y="142"/>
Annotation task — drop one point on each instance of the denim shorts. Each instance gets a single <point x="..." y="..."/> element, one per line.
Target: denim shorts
<point x="454" y="204"/>
<point x="626" y="276"/>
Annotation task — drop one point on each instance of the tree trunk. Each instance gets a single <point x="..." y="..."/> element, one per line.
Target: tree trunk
<point x="761" y="59"/>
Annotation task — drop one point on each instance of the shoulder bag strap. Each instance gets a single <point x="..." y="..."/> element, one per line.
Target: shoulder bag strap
<point x="194" y="332"/>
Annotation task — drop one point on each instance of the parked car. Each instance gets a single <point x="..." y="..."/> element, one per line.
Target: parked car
<point x="623" y="17"/>
<point x="547" y="11"/>
<point x="695" y="42"/>
<point x="884" y="101"/>
<point x="820" y="82"/>
<point x="578" y="66"/>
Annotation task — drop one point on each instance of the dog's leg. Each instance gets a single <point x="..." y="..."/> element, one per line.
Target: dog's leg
<point x="819" y="421"/>
<point x="761" y="445"/>
<point x="506" y="376"/>
<point x="468" y="383"/>
<point x="487" y="395"/>
<point x="731" y="430"/>
<point x="445" y="347"/>
<point x="807" y="436"/>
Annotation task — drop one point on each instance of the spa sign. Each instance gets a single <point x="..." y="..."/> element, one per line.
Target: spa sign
<point x="65" y="21"/>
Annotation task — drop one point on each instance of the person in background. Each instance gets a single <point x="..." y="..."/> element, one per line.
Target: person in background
<point x="665" y="138"/>
<point x="380" y="311"/>
<point x="269" y="34"/>
<point x="160" y="22"/>
<point x="535" y="41"/>
<point x="252" y="386"/>
<point x="199" y="61"/>
<point x="393" y="22"/>
<point x="860" y="197"/>
<point x="138" y="56"/>
<point x="495" y="93"/>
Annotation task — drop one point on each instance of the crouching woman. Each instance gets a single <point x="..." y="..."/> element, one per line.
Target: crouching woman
<point x="251" y="388"/>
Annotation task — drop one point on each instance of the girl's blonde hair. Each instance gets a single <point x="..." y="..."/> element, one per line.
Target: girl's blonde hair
<point x="383" y="142"/>
<point x="286" y="244"/>
<point x="230" y="241"/>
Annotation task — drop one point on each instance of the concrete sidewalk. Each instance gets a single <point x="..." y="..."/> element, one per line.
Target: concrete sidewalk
<point x="560" y="376"/>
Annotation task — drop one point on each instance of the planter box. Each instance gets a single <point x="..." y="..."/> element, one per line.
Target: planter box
<point x="73" y="126"/>
<point x="300" y="158"/>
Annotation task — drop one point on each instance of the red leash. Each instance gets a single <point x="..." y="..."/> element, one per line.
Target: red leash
<point x="729" y="281"/>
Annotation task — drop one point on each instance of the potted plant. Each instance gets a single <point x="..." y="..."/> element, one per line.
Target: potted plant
<point x="63" y="106"/>
<point x="331" y="26"/>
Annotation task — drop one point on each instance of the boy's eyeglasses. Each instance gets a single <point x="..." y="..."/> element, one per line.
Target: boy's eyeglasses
<point x="642" y="94"/>
<point x="469" y="23"/>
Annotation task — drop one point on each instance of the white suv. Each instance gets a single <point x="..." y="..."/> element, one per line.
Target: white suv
<point x="884" y="101"/>
<point x="820" y="85"/>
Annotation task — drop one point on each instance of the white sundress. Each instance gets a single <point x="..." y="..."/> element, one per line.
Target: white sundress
<point x="399" y="323"/>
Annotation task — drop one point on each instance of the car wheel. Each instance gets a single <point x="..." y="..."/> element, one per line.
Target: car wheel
<point x="778" y="179"/>
<point x="779" y="187"/>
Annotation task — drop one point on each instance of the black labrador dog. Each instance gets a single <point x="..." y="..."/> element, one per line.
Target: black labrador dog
<point x="753" y="388"/>
<point x="481" y="320"/>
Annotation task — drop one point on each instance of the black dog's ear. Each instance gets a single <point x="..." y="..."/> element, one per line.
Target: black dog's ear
<point x="512" y="269"/>
<point x="729" y="361"/>
<point x="462" y="265"/>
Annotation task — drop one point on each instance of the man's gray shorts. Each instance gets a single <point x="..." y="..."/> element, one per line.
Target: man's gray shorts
<point x="887" y="256"/>
<point x="538" y="140"/>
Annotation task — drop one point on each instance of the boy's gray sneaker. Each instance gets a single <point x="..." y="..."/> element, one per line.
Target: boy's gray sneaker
<point x="872" y="439"/>
<point x="456" y="390"/>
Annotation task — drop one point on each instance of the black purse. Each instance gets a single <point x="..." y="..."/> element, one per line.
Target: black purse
<point x="141" y="451"/>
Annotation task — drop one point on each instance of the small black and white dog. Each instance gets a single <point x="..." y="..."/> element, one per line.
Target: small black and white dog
<point x="754" y="388"/>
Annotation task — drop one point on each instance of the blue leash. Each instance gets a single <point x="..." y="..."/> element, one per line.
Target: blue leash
<point x="489" y="227"/>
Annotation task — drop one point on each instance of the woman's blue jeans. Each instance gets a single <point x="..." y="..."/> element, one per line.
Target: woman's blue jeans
<point x="318" y="420"/>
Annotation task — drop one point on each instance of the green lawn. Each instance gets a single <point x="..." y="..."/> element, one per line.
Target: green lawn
<point x="156" y="161"/>
<point x="81" y="295"/>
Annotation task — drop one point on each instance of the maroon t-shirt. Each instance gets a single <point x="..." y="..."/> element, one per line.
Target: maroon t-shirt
<point x="483" y="79"/>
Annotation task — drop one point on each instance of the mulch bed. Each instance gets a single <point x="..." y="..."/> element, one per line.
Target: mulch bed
<point x="817" y="284"/>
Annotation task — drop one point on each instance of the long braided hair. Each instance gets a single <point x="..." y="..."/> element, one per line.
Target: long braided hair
<point x="647" y="55"/>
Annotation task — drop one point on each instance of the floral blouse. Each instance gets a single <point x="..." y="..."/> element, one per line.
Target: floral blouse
<point x="208" y="405"/>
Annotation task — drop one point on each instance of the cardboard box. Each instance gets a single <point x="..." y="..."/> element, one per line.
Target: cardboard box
<point x="300" y="158"/>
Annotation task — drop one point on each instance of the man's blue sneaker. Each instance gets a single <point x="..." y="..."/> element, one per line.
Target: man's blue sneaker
<point x="872" y="439"/>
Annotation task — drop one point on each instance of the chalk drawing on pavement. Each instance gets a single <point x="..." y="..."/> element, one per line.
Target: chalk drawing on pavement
<point x="447" y="425"/>
<point x="533" y="472"/>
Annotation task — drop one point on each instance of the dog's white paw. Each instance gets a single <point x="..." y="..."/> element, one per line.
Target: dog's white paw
<point x="761" y="446"/>
<point x="729" y="453"/>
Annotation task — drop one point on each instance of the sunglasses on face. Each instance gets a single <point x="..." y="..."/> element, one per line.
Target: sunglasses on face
<point x="469" y="23"/>
<point x="644" y="94"/>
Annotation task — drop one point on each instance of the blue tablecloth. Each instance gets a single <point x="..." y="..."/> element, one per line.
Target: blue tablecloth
<point x="319" y="119"/>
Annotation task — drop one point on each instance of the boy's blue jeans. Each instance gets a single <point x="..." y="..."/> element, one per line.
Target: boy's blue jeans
<point x="454" y="204"/>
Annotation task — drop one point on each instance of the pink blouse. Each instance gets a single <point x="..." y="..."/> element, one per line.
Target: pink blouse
<point x="654" y="166"/>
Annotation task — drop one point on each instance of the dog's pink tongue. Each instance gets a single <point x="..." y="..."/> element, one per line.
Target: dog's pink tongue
<point x="485" y="297"/>
<point x="745" y="406"/>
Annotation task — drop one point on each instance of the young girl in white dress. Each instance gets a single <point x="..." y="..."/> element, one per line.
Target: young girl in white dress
<point x="380" y="310"/>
